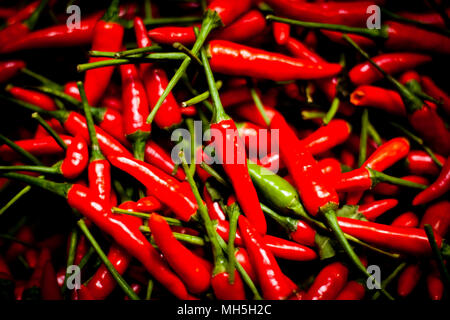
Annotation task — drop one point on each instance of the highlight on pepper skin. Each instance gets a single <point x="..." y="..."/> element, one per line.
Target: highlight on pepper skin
<point x="224" y="150"/>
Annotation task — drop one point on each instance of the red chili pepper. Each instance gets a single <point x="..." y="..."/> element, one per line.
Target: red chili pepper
<point x="437" y="188"/>
<point x="23" y="13"/>
<point x="234" y="96"/>
<point x="299" y="50"/>
<point x="388" y="189"/>
<point x="437" y="217"/>
<point x="348" y="13"/>
<point x="214" y="209"/>
<point x="34" y="97"/>
<point x="432" y="18"/>
<point x="281" y="32"/>
<point x="56" y="36"/>
<point x="49" y="285"/>
<point x="229" y="10"/>
<point x="408" y="240"/>
<point x="6" y="13"/>
<point x="331" y="168"/>
<point x="433" y="90"/>
<point x="234" y="59"/>
<point x="76" y="159"/>
<point x="387" y="154"/>
<point x="408" y="279"/>
<point x="9" y="69"/>
<point x="373" y="210"/>
<point x="25" y="234"/>
<point x="35" y="279"/>
<point x="392" y="63"/>
<point x="107" y="36"/>
<point x="5" y="272"/>
<point x="328" y="283"/>
<point x="288" y="250"/>
<point x="270" y="277"/>
<point x="420" y="163"/>
<point x="353" y="290"/>
<point x="434" y="284"/>
<point x="244" y="260"/>
<point x="165" y="188"/>
<point x="380" y="98"/>
<point x="406" y="220"/>
<point x="148" y="204"/>
<point x="186" y="264"/>
<point x="362" y="41"/>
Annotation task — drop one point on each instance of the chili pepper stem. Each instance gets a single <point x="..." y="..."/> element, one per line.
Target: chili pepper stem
<point x="201" y="97"/>
<point x="14" y="199"/>
<point x="211" y="21"/>
<point x="438" y="256"/>
<point x="377" y="176"/>
<point x="148" y="294"/>
<point x="126" y="53"/>
<point x="45" y="81"/>
<point x="260" y="106"/>
<point x="116" y="275"/>
<point x="71" y="256"/>
<point x="389" y="279"/>
<point x="20" y="150"/>
<point x="330" y="217"/>
<point x="41" y="169"/>
<point x="50" y="130"/>
<point x="233" y="217"/>
<point x="363" y="138"/>
<point x="332" y="111"/>
<point x="374" y="134"/>
<point x="60" y="189"/>
<point x="188" y="52"/>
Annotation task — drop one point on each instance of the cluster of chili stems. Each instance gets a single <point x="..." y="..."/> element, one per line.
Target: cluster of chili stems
<point x="173" y="228"/>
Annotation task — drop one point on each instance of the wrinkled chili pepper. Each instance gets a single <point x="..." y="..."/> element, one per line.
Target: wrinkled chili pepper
<point x="437" y="188"/>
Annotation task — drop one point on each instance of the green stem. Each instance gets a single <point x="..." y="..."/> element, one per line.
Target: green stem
<point x="71" y="256"/>
<point x="21" y="151"/>
<point x="211" y="21"/>
<point x="114" y="273"/>
<point x="130" y="52"/>
<point x="374" y="134"/>
<point x="180" y="236"/>
<point x="96" y="153"/>
<point x="50" y="130"/>
<point x="438" y="257"/>
<point x="148" y="15"/>
<point x="419" y="141"/>
<point x="139" y="142"/>
<point x="260" y="106"/>
<point x="19" y="195"/>
<point x="332" y="111"/>
<point x="41" y="169"/>
<point x="190" y="125"/>
<point x="214" y="174"/>
<point x="378" y="176"/>
<point x="45" y="81"/>
<point x="86" y="258"/>
<point x="201" y="97"/>
<point x="171" y="221"/>
<point x="389" y="279"/>
<point x="330" y="217"/>
<point x="233" y="215"/>
<point x="112" y="13"/>
<point x="148" y="294"/>
<point x="60" y="189"/>
<point x="187" y="52"/>
<point x="363" y="138"/>
<point x="371" y="33"/>
<point x="308" y="115"/>
<point x="60" y="94"/>
<point x="33" y="19"/>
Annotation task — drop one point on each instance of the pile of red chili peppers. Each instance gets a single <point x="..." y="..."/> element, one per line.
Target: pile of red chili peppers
<point x="323" y="150"/>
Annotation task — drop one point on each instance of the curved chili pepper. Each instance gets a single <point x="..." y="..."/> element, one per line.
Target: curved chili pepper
<point x="299" y="50"/>
<point x="437" y="188"/>
<point x="234" y="59"/>
<point x="380" y="98"/>
<point x="186" y="264"/>
<point x="406" y="220"/>
<point x="433" y="90"/>
<point x="348" y="13"/>
<point x="408" y="279"/>
<point x="9" y="69"/>
<point x="56" y="36"/>
<point x="364" y="73"/>
<point x="34" y="97"/>
<point x="158" y="157"/>
<point x="165" y="188"/>
<point x="353" y="290"/>
<point x="437" y="217"/>
<point x="288" y="250"/>
<point x="374" y="209"/>
<point x="408" y="240"/>
<point x="281" y="32"/>
<point x="432" y="18"/>
<point x="271" y="279"/>
<point x="328" y="283"/>
<point x="148" y="204"/>
<point x="107" y="36"/>
<point x="387" y="154"/>
<point x="23" y="13"/>
<point x="76" y="159"/>
<point x="420" y="163"/>
<point x="244" y="260"/>
<point x="434" y="284"/>
<point x="214" y="209"/>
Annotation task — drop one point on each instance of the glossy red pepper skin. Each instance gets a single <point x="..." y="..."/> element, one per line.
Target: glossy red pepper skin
<point x="412" y="241"/>
<point x="214" y="209"/>
<point x="34" y="97"/>
<point x="379" y="98"/>
<point x="388" y="153"/>
<point x="187" y="265"/>
<point x="7" y="13"/>
<point x="325" y="138"/>
<point x="134" y="101"/>
<point x="38" y="147"/>
<point x="408" y="279"/>
<point x="299" y="50"/>
<point x="234" y="96"/>
<point x="347" y="13"/>
<point x="165" y="188"/>
<point x="281" y="32"/>
<point x="433" y="90"/>
<point x="353" y="290"/>
<point x="238" y="60"/>
<point x="406" y="220"/>
<point x="228" y="143"/>
<point x="76" y="159"/>
<point x="9" y="69"/>
<point x="272" y="281"/>
<point x="13" y="32"/>
<point x="437" y="217"/>
<point x="243" y="258"/>
<point x="288" y="250"/>
<point x="364" y="73"/>
<point x="148" y="204"/>
<point x="374" y="209"/>
<point x="328" y="283"/>
<point x="223" y="290"/>
<point x="437" y="188"/>
<point x="99" y="177"/>
<point x="107" y="36"/>
<point x="331" y="168"/>
<point x="158" y="157"/>
<point x="411" y="38"/>
<point x="420" y="163"/>
<point x="434" y="284"/>
<point x="55" y="37"/>
<point x="125" y="231"/>
<point x="432" y="18"/>
<point x="229" y="10"/>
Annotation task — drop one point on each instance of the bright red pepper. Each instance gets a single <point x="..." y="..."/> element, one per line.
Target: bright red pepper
<point x="234" y="59"/>
<point x="437" y="217"/>
<point x="328" y="283"/>
<point x="408" y="279"/>
<point x="299" y="50"/>
<point x="406" y="220"/>
<point x="379" y="98"/>
<point x="34" y="97"/>
<point x="353" y="290"/>
<point x="434" y="284"/>
<point x="281" y="32"/>
<point x="433" y="90"/>
<point x="288" y="250"/>
<point x="9" y="69"/>
<point x="23" y="13"/>
<point x="437" y="188"/>
<point x="364" y="73"/>
<point x="420" y="163"/>
<point x="373" y="210"/>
